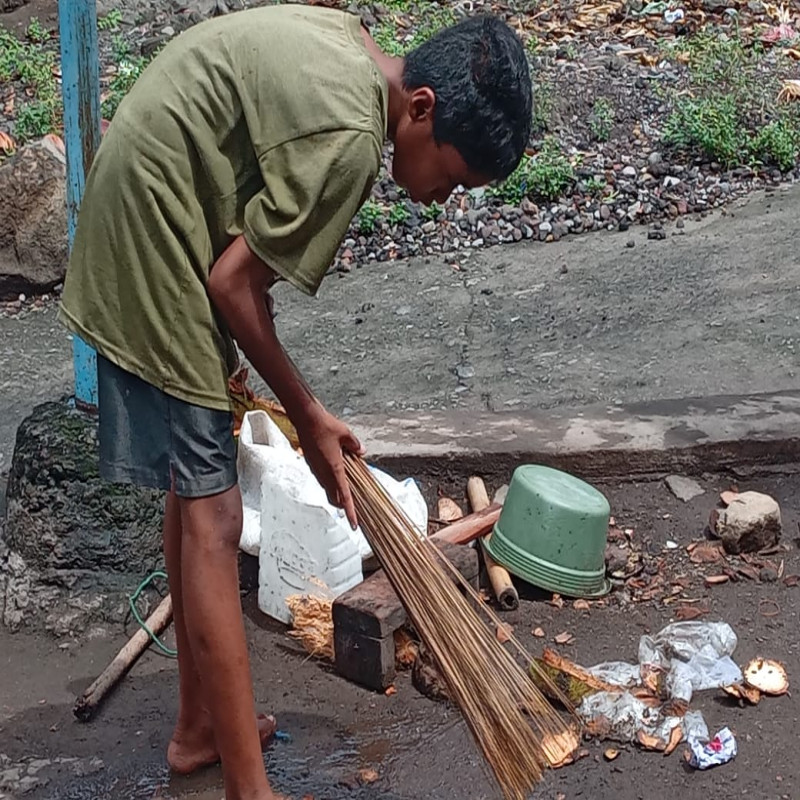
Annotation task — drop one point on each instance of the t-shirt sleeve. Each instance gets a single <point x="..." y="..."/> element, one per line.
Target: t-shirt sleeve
<point x="313" y="186"/>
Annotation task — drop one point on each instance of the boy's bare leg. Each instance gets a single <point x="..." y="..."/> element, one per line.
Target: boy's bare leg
<point x="193" y="743"/>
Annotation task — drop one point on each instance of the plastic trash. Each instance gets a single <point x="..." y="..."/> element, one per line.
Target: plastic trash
<point x="707" y="753"/>
<point x="302" y="541"/>
<point x="627" y="716"/>
<point x="618" y="673"/>
<point x="696" y="655"/>
<point x="671" y="16"/>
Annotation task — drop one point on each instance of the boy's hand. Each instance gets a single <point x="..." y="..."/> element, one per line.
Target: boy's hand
<point x="323" y="438"/>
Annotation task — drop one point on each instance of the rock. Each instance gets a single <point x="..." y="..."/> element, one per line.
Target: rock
<point x="751" y="522"/>
<point x="616" y="558"/>
<point x="767" y="575"/>
<point x="629" y="172"/>
<point x="67" y="524"/>
<point x="33" y="225"/>
<point x="684" y="488"/>
<point x="657" y="234"/>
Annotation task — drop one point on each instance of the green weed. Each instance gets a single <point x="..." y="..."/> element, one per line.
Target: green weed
<point x="430" y="18"/>
<point x="32" y="65"/>
<point x="432" y="212"/>
<point x="730" y="115"/>
<point x="399" y="214"/>
<point x="543" y="176"/>
<point x="543" y="105"/>
<point x="111" y="21"/>
<point x="128" y="72"/>
<point x="601" y="120"/>
<point x="368" y="217"/>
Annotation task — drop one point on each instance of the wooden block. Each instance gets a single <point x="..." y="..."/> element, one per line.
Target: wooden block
<point x="364" y="659"/>
<point x="366" y="618"/>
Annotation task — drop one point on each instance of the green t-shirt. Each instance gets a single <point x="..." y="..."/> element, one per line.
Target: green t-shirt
<point x="268" y="122"/>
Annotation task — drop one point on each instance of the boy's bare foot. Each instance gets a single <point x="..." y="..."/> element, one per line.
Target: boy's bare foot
<point x="194" y="748"/>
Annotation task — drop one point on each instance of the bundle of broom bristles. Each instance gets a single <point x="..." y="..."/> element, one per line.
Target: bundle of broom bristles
<point x="513" y="723"/>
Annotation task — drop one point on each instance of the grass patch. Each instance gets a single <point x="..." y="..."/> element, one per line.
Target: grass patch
<point x="399" y="214"/>
<point x="544" y="176"/>
<point x="369" y="217"/>
<point x="601" y="120"/>
<point x="730" y="113"/>
<point x="32" y="64"/>
<point x="111" y="21"/>
<point x="543" y="105"/>
<point x="432" y="212"/>
<point x="429" y="18"/>
<point x="128" y="72"/>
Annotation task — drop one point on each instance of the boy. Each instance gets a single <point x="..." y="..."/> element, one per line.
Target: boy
<point x="238" y="159"/>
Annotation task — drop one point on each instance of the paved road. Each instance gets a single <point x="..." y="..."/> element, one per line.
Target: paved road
<point x="713" y="309"/>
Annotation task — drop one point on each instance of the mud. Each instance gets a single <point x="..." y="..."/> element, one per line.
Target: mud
<point x="419" y="748"/>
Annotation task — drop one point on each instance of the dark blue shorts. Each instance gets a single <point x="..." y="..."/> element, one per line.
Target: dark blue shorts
<point x="154" y="440"/>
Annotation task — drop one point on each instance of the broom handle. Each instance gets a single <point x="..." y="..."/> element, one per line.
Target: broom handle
<point x="504" y="589"/>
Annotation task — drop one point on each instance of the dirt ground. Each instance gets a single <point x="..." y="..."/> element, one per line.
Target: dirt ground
<point x="419" y="748"/>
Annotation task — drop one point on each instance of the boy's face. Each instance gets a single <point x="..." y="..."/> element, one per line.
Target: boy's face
<point x="426" y="170"/>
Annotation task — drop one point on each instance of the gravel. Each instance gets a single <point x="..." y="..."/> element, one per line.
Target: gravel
<point x="629" y="179"/>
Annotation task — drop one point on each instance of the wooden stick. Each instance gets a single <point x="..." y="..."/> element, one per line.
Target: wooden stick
<point x="504" y="589"/>
<point x="88" y="703"/>
<point x="471" y="527"/>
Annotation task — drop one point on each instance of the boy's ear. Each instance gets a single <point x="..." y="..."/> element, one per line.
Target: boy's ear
<point x="421" y="104"/>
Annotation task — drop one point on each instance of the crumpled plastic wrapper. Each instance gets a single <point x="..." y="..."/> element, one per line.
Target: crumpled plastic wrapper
<point x="693" y="656"/>
<point x="707" y="753"/>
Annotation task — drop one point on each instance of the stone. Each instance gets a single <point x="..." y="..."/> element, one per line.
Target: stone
<point x="751" y="522"/>
<point x="629" y="172"/>
<point x="66" y="523"/>
<point x="684" y="488"/>
<point x="616" y="558"/>
<point x="33" y="225"/>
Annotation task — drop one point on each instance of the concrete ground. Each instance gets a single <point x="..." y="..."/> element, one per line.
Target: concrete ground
<point x="714" y="309"/>
<point x="416" y="747"/>
<point x="589" y="322"/>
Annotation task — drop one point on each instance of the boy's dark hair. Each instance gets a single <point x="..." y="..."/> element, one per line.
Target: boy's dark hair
<point x="479" y="73"/>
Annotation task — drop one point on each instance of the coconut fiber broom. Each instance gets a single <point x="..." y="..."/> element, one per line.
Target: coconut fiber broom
<point x="518" y="731"/>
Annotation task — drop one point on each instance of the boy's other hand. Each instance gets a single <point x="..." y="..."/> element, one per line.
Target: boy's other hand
<point x="323" y="438"/>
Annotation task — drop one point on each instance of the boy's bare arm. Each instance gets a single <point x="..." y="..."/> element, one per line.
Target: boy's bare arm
<point x="239" y="287"/>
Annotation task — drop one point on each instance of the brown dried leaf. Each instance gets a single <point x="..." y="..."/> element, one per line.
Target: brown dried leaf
<point x="10" y="102"/>
<point x="557" y="601"/>
<point x="448" y="510"/>
<point x="675" y="708"/>
<point x="580" y="605"/>
<point x="675" y="738"/>
<point x="366" y="776"/>
<point x="564" y="638"/>
<point x="791" y="581"/>
<point x="716" y="580"/>
<point x="748" y="571"/>
<point x="539" y="633"/>
<point x="685" y="613"/>
<point x="504" y="632"/>
<point x="390" y="691"/>
<point x="649" y="742"/>
<point x="706" y="553"/>
<point x="611" y="754"/>
<point x="6" y="143"/>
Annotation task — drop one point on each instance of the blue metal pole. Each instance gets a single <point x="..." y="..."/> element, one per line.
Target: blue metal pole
<point x="80" y="86"/>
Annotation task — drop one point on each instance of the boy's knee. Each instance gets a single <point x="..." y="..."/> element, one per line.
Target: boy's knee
<point x="213" y="522"/>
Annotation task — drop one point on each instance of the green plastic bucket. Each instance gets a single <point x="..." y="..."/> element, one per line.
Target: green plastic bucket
<point x="552" y="532"/>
